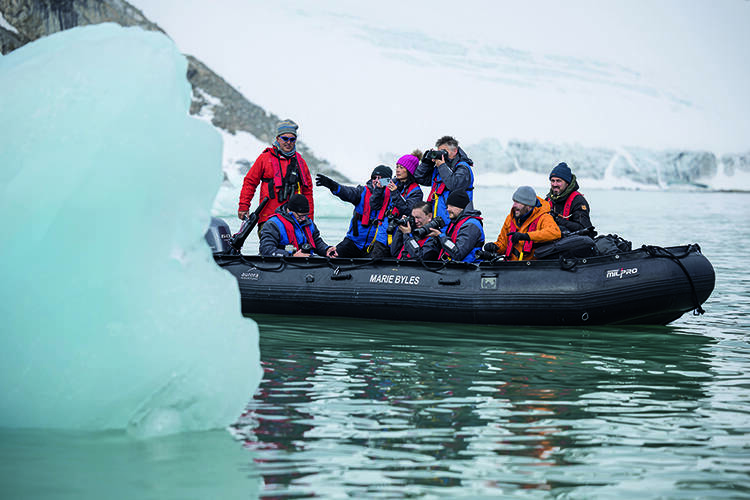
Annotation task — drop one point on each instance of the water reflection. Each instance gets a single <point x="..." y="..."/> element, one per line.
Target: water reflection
<point x="54" y="464"/>
<point x="356" y="407"/>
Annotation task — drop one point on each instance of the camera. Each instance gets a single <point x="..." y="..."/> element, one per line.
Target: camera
<point x="394" y="222"/>
<point x="305" y="247"/>
<point x="488" y="256"/>
<point x="423" y="231"/>
<point x="433" y="154"/>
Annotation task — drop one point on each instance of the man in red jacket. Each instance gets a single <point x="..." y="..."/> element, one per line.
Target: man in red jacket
<point x="281" y="172"/>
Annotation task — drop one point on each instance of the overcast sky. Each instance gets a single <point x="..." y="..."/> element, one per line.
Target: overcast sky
<point x="636" y="72"/>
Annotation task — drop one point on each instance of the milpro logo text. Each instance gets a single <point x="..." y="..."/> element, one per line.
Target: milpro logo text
<point x="622" y="273"/>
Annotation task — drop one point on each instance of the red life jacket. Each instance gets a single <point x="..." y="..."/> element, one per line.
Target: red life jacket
<point x="528" y="244"/>
<point x="291" y="234"/>
<point x="437" y="188"/>
<point x="452" y="232"/>
<point x="366" y="206"/>
<point x="568" y="203"/>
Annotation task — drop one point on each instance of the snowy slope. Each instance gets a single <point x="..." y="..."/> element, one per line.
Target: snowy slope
<point x="369" y="81"/>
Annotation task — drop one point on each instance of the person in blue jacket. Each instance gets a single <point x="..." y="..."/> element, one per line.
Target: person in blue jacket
<point x="446" y="169"/>
<point x="291" y="232"/>
<point x="367" y="235"/>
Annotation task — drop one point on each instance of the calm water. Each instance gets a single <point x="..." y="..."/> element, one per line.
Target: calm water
<point x="380" y="409"/>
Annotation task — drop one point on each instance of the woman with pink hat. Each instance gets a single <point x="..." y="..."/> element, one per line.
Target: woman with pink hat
<point x="405" y="193"/>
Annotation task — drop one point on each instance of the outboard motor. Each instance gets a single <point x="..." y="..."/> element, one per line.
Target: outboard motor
<point x="218" y="236"/>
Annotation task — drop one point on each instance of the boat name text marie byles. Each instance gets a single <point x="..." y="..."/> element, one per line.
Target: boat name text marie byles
<point x="395" y="279"/>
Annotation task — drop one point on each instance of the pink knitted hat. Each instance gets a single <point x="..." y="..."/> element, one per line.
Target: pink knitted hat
<point x="409" y="162"/>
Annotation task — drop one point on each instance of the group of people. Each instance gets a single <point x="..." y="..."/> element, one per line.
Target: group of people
<point x="391" y="217"/>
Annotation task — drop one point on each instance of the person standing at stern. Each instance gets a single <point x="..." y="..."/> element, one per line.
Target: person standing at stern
<point x="281" y="172"/>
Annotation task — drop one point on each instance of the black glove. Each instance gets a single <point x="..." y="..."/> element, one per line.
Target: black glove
<point x="516" y="237"/>
<point x="490" y="247"/>
<point x="322" y="180"/>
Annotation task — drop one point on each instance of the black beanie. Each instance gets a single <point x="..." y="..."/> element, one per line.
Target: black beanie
<point x="458" y="199"/>
<point x="298" y="203"/>
<point x="562" y="171"/>
<point x="383" y="171"/>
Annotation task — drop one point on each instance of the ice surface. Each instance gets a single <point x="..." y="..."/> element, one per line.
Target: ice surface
<point x="114" y="313"/>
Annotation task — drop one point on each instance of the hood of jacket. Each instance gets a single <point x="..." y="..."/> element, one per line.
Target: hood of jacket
<point x="461" y="156"/>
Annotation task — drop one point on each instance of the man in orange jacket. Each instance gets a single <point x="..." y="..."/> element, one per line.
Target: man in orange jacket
<point x="281" y="172"/>
<point x="527" y="225"/>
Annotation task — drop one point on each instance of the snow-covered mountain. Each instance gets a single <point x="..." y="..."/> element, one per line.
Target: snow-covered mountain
<point x="652" y="91"/>
<point x="630" y="93"/>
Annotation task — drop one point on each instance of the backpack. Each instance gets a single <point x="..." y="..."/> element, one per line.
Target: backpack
<point x="611" y="244"/>
<point x="568" y="247"/>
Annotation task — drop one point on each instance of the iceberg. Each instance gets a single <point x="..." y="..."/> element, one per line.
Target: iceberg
<point x="114" y="313"/>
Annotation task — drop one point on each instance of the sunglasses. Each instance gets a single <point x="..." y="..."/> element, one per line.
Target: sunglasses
<point x="287" y="139"/>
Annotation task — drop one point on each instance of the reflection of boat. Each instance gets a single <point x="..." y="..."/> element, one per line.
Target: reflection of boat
<point x="651" y="285"/>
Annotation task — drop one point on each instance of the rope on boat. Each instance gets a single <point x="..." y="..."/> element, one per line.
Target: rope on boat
<point x="656" y="251"/>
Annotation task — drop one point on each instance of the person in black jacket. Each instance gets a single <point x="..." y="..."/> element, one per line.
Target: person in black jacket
<point x="462" y="237"/>
<point x="567" y="206"/>
<point x="405" y="245"/>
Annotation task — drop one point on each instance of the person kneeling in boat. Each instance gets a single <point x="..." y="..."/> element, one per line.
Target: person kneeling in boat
<point x="463" y="236"/>
<point x="413" y="232"/>
<point x="290" y="231"/>
<point x="528" y="224"/>
<point x="367" y="235"/>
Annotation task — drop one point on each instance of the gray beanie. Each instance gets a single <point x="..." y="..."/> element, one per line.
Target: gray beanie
<point x="525" y="195"/>
<point x="286" y="127"/>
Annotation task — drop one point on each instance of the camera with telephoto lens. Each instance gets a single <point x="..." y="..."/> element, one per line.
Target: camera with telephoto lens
<point x="423" y="231"/>
<point x="395" y="221"/>
<point x="433" y="154"/>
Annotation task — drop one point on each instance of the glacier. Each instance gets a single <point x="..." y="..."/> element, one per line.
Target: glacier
<point x="665" y="109"/>
<point x="114" y="313"/>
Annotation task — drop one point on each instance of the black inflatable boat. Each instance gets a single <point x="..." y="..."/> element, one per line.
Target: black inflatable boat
<point x="650" y="285"/>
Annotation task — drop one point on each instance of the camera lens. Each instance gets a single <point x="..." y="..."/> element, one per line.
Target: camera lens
<point x="423" y="231"/>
